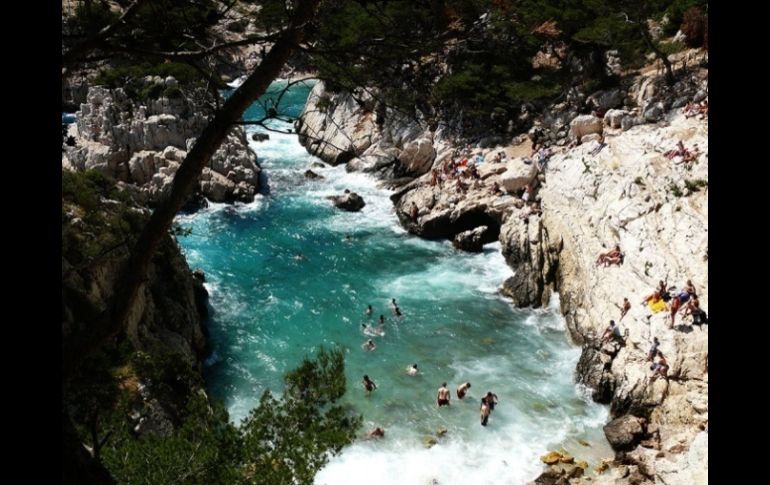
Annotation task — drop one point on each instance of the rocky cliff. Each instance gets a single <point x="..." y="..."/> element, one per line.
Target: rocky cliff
<point x="143" y="143"/>
<point x="167" y="322"/>
<point x="341" y="128"/>
<point x="615" y="188"/>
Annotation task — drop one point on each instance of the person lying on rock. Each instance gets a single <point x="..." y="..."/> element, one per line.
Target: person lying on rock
<point x="600" y="145"/>
<point x="615" y="256"/>
<point x="679" y="151"/>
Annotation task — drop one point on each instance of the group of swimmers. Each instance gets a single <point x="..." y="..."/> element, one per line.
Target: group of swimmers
<point x="378" y="331"/>
<point x="488" y="402"/>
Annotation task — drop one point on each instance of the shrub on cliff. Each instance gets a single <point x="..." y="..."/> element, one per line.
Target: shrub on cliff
<point x="285" y="439"/>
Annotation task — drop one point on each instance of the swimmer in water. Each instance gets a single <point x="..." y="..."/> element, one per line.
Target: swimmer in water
<point x="369" y="345"/>
<point x="377" y="433"/>
<point x="369" y="384"/>
<point x="485" y="411"/>
<point x="491" y="400"/>
<point x="397" y="311"/>
<point x="382" y="319"/>
<point x="412" y="370"/>
<point x="369" y="311"/>
<point x="372" y="331"/>
<point x="462" y="389"/>
<point x="443" y="396"/>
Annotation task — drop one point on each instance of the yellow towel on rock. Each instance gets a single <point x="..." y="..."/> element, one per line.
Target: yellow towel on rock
<point x="657" y="305"/>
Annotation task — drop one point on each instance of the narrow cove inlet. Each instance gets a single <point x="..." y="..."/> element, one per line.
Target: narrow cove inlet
<point x="290" y="272"/>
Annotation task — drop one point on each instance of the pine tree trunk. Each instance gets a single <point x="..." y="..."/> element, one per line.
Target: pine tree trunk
<point x="135" y="271"/>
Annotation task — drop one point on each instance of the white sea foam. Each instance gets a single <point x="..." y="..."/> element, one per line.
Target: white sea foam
<point x="453" y="273"/>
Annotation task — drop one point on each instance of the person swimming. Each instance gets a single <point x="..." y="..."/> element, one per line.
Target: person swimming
<point x="382" y="319"/>
<point x="372" y="331"/>
<point x="377" y="433"/>
<point x="485" y="411"/>
<point x="369" y="345"/>
<point x="369" y="384"/>
<point x="443" y="396"/>
<point x="369" y="311"/>
<point x="491" y="400"/>
<point x="412" y="370"/>
<point x="463" y="389"/>
<point x="397" y="311"/>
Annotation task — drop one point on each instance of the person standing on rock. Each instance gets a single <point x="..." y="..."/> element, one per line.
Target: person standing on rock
<point x="653" y="349"/>
<point x="443" y="395"/>
<point x="624" y="309"/>
<point x="660" y="367"/>
<point x="414" y="211"/>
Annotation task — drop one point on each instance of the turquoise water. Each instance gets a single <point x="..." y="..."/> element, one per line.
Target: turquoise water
<point x="271" y="308"/>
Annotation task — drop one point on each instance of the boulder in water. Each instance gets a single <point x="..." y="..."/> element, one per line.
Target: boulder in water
<point x="260" y="136"/>
<point x="471" y="240"/>
<point x="349" y="201"/>
<point x="309" y="174"/>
